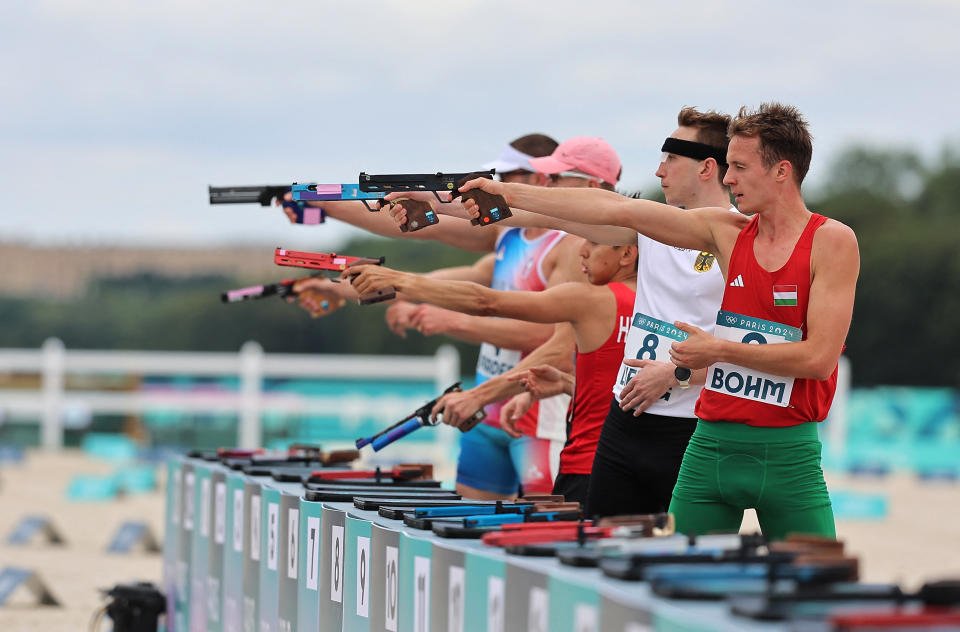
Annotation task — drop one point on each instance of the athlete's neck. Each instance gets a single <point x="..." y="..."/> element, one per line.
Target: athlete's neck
<point x="627" y="276"/>
<point x="706" y="197"/>
<point x="533" y="233"/>
<point x="784" y="220"/>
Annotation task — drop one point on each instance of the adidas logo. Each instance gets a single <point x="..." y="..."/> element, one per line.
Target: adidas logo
<point x="738" y="282"/>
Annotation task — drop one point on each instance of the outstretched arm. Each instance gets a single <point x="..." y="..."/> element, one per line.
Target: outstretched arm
<point x="564" y="302"/>
<point x="701" y="229"/>
<point x="609" y="235"/>
<point x="456" y="234"/>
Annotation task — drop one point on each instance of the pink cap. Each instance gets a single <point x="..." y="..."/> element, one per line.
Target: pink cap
<point x="592" y="156"/>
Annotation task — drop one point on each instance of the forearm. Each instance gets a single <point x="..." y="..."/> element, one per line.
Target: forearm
<point x="549" y="306"/>
<point x="480" y="272"/>
<point x="661" y="222"/>
<point x="456" y="234"/>
<point x="789" y="359"/>
<point x="500" y="332"/>
<point x="609" y="235"/>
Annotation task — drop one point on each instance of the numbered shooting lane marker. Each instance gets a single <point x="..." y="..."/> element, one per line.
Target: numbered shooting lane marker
<point x="217" y="548"/>
<point x="336" y="564"/>
<point x="364" y="564"/>
<point x="357" y="576"/>
<point x="268" y="598"/>
<point x="185" y="545"/>
<point x="237" y="516"/>
<point x="446" y="598"/>
<point x="421" y="594"/>
<point x="313" y="552"/>
<point x="415" y="556"/>
<point x="288" y="555"/>
<point x="233" y="558"/>
<point x="308" y="571"/>
<point x="456" y="589"/>
<point x="485" y="570"/>
<point x="220" y="508"/>
<point x="205" y="504"/>
<point x="539" y="612"/>
<point x="273" y="529"/>
<point x="200" y="553"/>
<point x="384" y="579"/>
<point x="252" y="519"/>
<point x="527" y="595"/>
<point x="293" y="528"/>
<point x="332" y="522"/>
<point x="496" y="605"/>
<point x="171" y="534"/>
<point x="574" y="604"/>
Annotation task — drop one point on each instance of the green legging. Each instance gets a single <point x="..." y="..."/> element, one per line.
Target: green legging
<point x="729" y="467"/>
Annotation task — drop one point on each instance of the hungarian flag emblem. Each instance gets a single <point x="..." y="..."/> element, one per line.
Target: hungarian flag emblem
<point x="785" y="295"/>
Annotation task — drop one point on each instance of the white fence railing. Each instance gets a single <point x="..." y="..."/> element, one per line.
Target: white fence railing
<point x="251" y="365"/>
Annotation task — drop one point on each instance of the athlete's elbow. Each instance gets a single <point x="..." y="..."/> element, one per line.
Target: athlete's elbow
<point x="485" y="305"/>
<point x="821" y="367"/>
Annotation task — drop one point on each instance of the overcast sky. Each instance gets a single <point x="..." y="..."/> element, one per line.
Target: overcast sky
<point x="116" y="115"/>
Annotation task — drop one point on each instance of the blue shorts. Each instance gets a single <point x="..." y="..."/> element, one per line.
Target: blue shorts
<point x="495" y="462"/>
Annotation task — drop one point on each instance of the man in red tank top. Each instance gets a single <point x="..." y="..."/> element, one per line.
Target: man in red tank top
<point x="599" y="314"/>
<point x="790" y="283"/>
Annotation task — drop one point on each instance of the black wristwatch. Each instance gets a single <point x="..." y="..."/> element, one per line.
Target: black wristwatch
<point x="683" y="376"/>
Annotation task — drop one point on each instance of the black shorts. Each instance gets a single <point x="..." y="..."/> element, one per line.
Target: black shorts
<point x="637" y="462"/>
<point x="573" y="487"/>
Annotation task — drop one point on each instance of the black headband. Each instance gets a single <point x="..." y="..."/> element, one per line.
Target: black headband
<point x="697" y="151"/>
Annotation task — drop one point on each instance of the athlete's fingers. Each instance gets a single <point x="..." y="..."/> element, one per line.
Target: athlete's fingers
<point x="642" y="406"/>
<point x="511" y="429"/>
<point x="639" y="363"/>
<point x="476" y="183"/>
<point x="542" y="370"/>
<point x="398" y="213"/>
<point x="687" y="327"/>
<point x="437" y="409"/>
<point x="679" y="358"/>
<point x="472" y="208"/>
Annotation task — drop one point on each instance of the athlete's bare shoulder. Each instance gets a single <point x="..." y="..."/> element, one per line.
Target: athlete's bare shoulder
<point x="835" y="250"/>
<point x="835" y="234"/>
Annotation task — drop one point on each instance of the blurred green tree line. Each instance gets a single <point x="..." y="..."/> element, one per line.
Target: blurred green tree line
<point x="902" y="209"/>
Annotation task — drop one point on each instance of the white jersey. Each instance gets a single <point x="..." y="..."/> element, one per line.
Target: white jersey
<point x="672" y="284"/>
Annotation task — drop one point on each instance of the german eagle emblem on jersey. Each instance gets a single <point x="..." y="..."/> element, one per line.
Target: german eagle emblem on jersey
<point x="704" y="262"/>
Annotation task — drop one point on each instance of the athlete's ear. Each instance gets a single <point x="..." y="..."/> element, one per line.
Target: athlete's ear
<point x="539" y="179"/>
<point x="593" y="184"/>
<point x="628" y="257"/>
<point x="708" y="170"/>
<point x="784" y="171"/>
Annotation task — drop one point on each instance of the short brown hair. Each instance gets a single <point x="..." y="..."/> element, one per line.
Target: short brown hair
<point x="535" y="145"/>
<point x="783" y="134"/>
<point x="711" y="130"/>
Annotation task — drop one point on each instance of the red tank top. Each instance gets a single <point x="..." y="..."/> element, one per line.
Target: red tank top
<point x="765" y="308"/>
<point x="596" y="371"/>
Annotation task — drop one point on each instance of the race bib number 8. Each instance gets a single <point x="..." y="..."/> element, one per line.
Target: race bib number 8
<point x="649" y="338"/>
<point x="751" y="384"/>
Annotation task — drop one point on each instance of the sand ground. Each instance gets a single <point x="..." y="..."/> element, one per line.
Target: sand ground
<point x="918" y="540"/>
